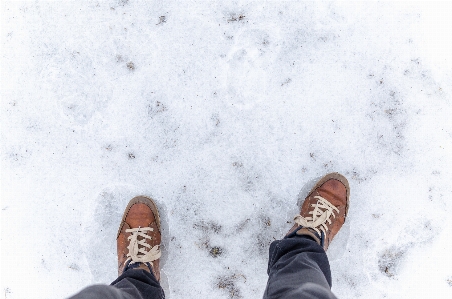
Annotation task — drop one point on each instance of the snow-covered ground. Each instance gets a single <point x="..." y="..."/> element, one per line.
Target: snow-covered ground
<point x="222" y="112"/>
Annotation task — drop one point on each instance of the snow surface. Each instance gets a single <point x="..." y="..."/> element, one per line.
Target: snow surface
<point x="222" y="112"/>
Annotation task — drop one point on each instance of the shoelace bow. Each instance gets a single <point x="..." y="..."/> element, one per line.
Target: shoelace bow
<point x="139" y="250"/>
<point x="323" y="209"/>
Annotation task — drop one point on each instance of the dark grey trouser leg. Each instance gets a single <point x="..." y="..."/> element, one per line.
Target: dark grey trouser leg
<point x="298" y="268"/>
<point x="132" y="284"/>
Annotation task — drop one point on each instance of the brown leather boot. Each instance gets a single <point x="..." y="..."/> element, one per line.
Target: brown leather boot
<point x="324" y="210"/>
<point x="139" y="237"/>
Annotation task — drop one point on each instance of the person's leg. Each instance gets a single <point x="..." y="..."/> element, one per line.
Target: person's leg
<point x="298" y="266"/>
<point x="132" y="284"/>
<point x="139" y="282"/>
<point x="102" y="291"/>
<point x="138" y="243"/>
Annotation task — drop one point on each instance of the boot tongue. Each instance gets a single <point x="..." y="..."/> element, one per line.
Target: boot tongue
<point x="303" y="231"/>
<point x="145" y="266"/>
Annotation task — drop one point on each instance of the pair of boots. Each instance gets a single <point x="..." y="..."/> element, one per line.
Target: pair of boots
<point x="139" y="236"/>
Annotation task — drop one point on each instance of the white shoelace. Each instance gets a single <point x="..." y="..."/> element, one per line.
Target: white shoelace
<point x="139" y="250"/>
<point x="323" y="209"/>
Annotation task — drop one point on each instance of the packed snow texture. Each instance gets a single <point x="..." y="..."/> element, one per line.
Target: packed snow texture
<point x="222" y="112"/>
